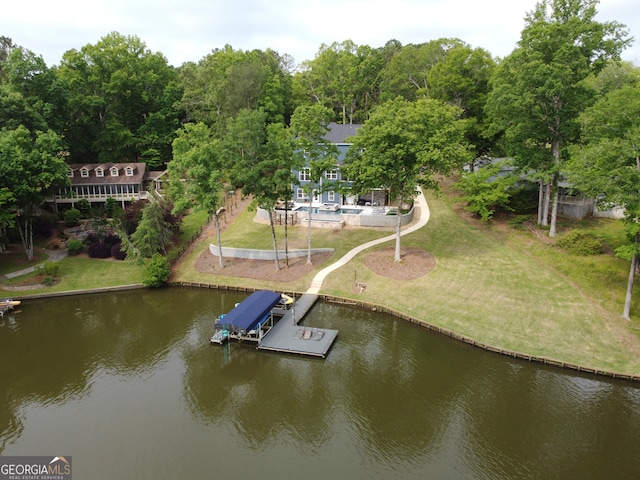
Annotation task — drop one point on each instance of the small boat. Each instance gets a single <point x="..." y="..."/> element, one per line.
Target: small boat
<point x="8" y="302"/>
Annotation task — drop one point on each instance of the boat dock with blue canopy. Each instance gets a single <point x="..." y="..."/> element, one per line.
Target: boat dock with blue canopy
<point x="254" y="319"/>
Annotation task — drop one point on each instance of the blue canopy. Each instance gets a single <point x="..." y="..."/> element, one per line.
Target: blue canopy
<point x="254" y="308"/>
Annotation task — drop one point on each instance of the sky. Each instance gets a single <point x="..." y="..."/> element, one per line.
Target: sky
<point x="189" y="30"/>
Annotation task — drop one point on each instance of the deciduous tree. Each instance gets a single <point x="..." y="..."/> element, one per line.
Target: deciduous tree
<point x="607" y="165"/>
<point x="402" y="146"/>
<point x="31" y="167"/>
<point x="539" y="90"/>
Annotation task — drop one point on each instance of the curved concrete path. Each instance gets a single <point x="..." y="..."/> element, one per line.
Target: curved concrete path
<point x="53" y="256"/>
<point x="316" y="283"/>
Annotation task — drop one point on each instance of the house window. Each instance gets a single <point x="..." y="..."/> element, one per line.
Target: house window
<point x="304" y="175"/>
<point x="70" y="173"/>
<point x="331" y="196"/>
<point x="99" y="172"/>
<point x="128" y="171"/>
<point x="84" y="172"/>
<point x="300" y="194"/>
<point x="114" y="171"/>
<point x="331" y="175"/>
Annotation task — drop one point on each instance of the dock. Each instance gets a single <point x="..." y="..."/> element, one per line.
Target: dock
<point x="286" y="336"/>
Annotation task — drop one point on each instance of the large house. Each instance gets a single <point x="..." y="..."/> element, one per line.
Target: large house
<point x="95" y="182"/>
<point x="338" y="135"/>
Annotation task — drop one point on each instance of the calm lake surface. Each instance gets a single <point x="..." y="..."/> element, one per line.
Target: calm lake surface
<point x="128" y="386"/>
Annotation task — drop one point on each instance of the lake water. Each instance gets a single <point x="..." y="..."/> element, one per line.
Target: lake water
<point x="128" y="385"/>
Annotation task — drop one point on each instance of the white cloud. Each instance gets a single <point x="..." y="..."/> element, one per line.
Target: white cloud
<point x="190" y="30"/>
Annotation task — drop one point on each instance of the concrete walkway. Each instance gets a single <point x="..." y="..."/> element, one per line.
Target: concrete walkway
<point x="53" y="256"/>
<point x="316" y="283"/>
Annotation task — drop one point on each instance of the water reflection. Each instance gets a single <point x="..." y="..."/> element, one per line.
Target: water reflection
<point x="131" y="376"/>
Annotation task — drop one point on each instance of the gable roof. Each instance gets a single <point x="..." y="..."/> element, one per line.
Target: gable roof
<point x="139" y="171"/>
<point x="339" y="133"/>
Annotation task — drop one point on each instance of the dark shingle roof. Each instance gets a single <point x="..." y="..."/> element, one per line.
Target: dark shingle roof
<point x="339" y="133"/>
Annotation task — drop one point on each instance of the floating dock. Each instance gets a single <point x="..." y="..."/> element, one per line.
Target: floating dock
<point x="287" y="336"/>
<point x="263" y="318"/>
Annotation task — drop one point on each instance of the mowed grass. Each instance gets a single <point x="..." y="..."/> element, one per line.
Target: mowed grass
<point x="82" y="273"/>
<point x="503" y="287"/>
<point x="507" y="289"/>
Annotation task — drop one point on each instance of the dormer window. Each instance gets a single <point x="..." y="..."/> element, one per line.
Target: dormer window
<point x="84" y="172"/>
<point x="70" y="173"/>
<point x="128" y="171"/>
<point x="114" y="171"/>
<point x="99" y="172"/>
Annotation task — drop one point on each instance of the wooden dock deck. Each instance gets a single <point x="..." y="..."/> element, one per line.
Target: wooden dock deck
<point x="288" y="337"/>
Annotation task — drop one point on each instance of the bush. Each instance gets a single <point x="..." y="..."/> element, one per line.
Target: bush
<point x="51" y="269"/>
<point x="117" y="253"/>
<point x="85" y="208"/>
<point x="91" y="238"/>
<point x="99" y="250"/>
<point x="581" y="243"/>
<point x="156" y="272"/>
<point x="519" y="220"/>
<point x="43" y="226"/>
<point x="72" y="216"/>
<point x="75" y="246"/>
<point x="111" y="239"/>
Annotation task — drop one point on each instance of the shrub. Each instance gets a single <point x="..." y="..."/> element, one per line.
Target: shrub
<point x="117" y="253"/>
<point x="51" y="269"/>
<point x="111" y="239"/>
<point x="91" y="238"/>
<point x="99" y="250"/>
<point x="156" y="272"/>
<point x="43" y="226"/>
<point x="72" y="216"/>
<point x="581" y="243"/>
<point x="75" y="246"/>
<point x="517" y="221"/>
<point x="85" y="208"/>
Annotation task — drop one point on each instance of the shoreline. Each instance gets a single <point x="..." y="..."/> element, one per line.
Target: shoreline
<point x="375" y="308"/>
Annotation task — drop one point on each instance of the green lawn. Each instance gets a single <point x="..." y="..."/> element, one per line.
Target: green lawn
<point x="507" y="288"/>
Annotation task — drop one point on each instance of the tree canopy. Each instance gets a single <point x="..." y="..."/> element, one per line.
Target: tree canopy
<point x="403" y="145"/>
<point x="539" y="90"/>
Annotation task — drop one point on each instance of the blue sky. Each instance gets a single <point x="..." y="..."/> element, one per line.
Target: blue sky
<point x="187" y="31"/>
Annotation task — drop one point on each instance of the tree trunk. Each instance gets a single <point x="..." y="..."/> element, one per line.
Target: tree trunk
<point x="398" y="225"/>
<point x="217" y="223"/>
<point x="554" y="209"/>
<point x="286" y="232"/>
<point x="26" y="234"/>
<point x="632" y="274"/>
<point x="309" y="230"/>
<point x="547" y="204"/>
<point x="540" y="201"/>
<point x="273" y="237"/>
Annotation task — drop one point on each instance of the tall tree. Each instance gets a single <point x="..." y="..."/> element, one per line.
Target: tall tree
<point x="120" y="102"/>
<point x="227" y="81"/>
<point x="539" y="90"/>
<point x="342" y="77"/>
<point x="197" y="175"/>
<point x="31" y="167"/>
<point x="461" y="78"/>
<point x="607" y="165"/>
<point x="31" y="93"/>
<point x="402" y="146"/>
<point x="316" y="155"/>
<point x="261" y="157"/>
